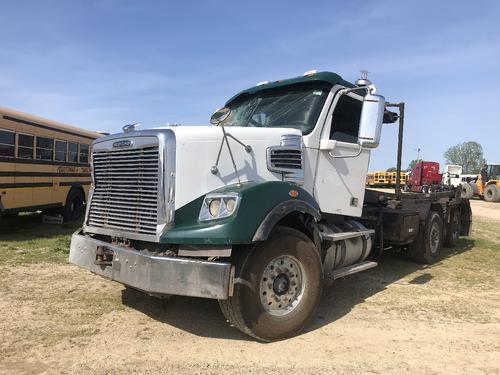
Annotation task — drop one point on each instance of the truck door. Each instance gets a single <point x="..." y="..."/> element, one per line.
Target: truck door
<point x="342" y="164"/>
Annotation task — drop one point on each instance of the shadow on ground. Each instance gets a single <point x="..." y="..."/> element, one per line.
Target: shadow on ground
<point x="202" y="317"/>
<point x="29" y="226"/>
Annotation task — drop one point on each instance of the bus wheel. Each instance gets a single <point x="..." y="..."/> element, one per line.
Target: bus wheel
<point x="279" y="287"/>
<point x="73" y="209"/>
<point x="427" y="246"/>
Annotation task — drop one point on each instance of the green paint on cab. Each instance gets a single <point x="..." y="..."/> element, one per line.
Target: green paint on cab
<point x="257" y="200"/>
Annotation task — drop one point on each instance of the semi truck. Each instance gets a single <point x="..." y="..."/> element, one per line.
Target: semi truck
<point x="425" y="177"/>
<point x="261" y="210"/>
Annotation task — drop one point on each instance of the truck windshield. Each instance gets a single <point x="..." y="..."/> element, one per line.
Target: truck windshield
<point x="295" y="106"/>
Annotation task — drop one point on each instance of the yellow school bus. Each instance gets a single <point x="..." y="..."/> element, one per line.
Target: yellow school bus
<point x="44" y="165"/>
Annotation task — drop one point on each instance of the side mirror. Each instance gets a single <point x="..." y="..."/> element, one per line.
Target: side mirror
<point x="220" y="115"/>
<point x="372" y="116"/>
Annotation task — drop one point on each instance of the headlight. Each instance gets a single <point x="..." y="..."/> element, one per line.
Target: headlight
<point x="218" y="206"/>
<point x="214" y="207"/>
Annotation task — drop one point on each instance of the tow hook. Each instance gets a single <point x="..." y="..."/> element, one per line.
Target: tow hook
<point x="103" y="256"/>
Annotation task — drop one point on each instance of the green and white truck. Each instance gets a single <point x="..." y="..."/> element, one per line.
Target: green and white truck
<point x="261" y="210"/>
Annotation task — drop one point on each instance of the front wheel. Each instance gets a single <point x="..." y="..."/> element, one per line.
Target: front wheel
<point x="492" y="193"/>
<point x="279" y="287"/>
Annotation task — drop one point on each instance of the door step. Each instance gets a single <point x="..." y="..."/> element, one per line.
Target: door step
<point x="345" y="235"/>
<point x="349" y="270"/>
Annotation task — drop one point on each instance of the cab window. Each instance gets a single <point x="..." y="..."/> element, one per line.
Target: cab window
<point x="345" y="120"/>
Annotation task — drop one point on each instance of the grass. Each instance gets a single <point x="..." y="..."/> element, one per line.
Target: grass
<point x="49" y="301"/>
<point x="24" y="239"/>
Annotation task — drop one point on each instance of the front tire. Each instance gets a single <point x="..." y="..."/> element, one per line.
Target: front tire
<point x="279" y="287"/>
<point x="491" y="193"/>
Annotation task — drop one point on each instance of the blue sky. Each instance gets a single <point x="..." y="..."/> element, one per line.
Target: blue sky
<point x="102" y="64"/>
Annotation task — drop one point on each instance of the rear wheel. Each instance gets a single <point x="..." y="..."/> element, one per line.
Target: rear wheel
<point x="279" y="288"/>
<point x="491" y="193"/>
<point x="73" y="209"/>
<point x="466" y="191"/>
<point x="427" y="246"/>
<point x="452" y="232"/>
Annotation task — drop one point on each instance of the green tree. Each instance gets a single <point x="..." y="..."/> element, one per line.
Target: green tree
<point x="412" y="164"/>
<point x="468" y="154"/>
<point x="392" y="169"/>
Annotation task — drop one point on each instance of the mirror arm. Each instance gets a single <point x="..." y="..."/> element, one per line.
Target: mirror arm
<point x="348" y="90"/>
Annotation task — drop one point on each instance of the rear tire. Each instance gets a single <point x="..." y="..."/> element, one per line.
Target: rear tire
<point x="279" y="289"/>
<point x="73" y="209"/>
<point x="427" y="246"/>
<point x="452" y="232"/>
<point x="491" y="193"/>
<point x="467" y="191"/>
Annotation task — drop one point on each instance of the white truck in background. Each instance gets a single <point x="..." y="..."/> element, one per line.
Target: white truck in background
<point x="452" y="175"/>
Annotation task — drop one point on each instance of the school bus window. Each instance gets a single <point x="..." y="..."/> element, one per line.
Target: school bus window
<point x="25" y="146"/>
<point x="44" y="148"/>
<point x="84" y="153"/>
<point x="73" y="152"/>
<point x="61" y="149"/>
<point x="7" y="143"/>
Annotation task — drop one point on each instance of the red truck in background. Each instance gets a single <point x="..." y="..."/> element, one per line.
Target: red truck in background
<point x="424" y="177"/>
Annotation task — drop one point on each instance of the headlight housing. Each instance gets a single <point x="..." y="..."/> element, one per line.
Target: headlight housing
<point x="218" y="206"/>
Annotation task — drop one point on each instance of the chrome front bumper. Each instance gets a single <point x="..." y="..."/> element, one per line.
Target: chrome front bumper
<point x="153" y="274"/>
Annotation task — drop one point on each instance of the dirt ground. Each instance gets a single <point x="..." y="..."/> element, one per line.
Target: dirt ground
<point x="485" y="210"/>
<point x="399" y="318"/>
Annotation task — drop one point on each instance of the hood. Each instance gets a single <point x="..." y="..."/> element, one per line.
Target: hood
<point x="197" y="150"/>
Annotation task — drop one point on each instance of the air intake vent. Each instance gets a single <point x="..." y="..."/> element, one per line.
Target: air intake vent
<point x="283" y="159"/>
<point x="287" y="158"/>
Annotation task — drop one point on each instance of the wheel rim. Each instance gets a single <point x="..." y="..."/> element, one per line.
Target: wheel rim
<point x="282" y="285"/>
<point x="434" y="238"/>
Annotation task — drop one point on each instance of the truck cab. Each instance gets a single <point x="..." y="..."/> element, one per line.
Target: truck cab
<point x="257" y="211"/>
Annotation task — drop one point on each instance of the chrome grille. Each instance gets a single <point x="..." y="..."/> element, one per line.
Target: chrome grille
<point x="125" y="195"/>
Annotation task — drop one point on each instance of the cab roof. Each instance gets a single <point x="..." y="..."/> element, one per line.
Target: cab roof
<point x="327" y="77"/>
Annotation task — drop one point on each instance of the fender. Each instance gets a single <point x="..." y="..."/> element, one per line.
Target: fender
<point x="262" y="205"/>
<point x="279" y="212"/>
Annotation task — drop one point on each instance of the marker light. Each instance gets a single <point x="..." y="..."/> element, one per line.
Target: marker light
<point x="310" y="72"/>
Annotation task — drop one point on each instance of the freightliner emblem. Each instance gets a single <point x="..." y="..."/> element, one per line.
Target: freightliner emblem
<point x="125" y="143"/>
